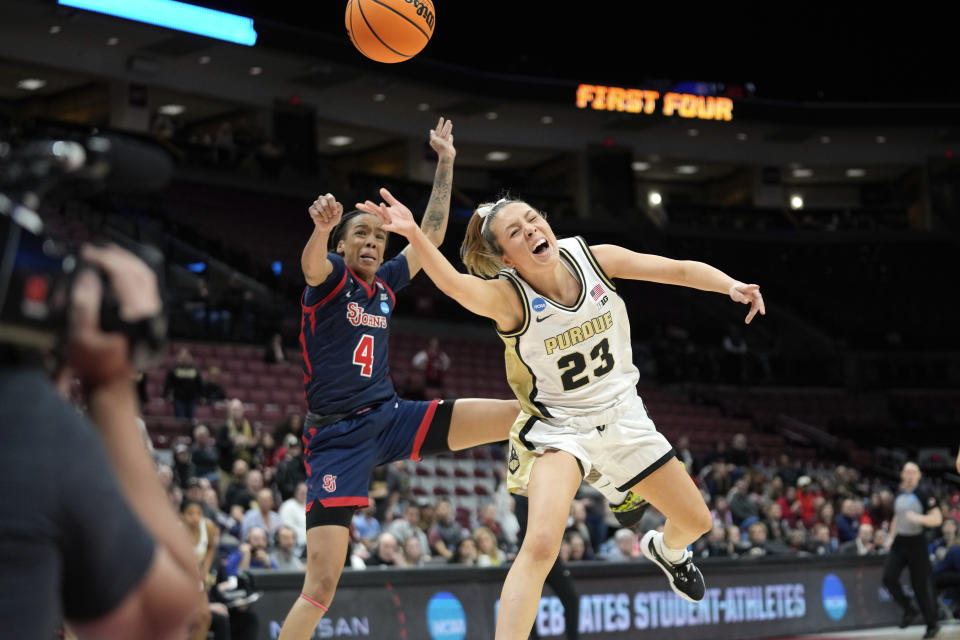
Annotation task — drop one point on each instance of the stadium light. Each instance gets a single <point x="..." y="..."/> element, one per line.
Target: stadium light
<point x="654" y="198"/>
<point x="796" y="202"/>
<point x="176" y="15"/>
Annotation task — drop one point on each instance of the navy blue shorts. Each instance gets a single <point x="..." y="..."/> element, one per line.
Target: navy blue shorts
<point x="341" y="456"/>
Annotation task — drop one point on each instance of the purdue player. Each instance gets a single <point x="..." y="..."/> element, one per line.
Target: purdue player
<point x="569" y="362"/>
<point x="356" y="420"/>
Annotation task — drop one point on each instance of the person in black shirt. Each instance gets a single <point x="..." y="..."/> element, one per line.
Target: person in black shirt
<point x="184" y="385"/>
<point x="914" y="509"/>
<point x="212" y="389"/>
<point x="64" y="514"/>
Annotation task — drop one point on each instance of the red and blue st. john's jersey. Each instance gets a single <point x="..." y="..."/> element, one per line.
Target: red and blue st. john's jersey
<point x="344" y="332"/>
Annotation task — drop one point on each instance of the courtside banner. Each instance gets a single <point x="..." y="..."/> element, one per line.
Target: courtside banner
<point x="745" y="599"/>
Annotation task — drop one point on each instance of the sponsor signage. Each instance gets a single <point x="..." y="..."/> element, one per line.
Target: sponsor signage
<point x="745" y="599"/>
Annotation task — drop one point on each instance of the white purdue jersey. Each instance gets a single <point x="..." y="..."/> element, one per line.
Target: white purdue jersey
<point x="570" y="362"/>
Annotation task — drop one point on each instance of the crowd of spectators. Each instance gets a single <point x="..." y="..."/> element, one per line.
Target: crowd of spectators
<point x="246" y="483"/>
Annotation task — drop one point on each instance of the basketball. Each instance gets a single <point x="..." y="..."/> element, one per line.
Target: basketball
<point x="390" y="30"/>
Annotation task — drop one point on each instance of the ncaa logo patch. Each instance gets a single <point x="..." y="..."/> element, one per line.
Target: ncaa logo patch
<point x="384" y="307"/>
<point x="329" y="483"/>
<point x="834" y="597"/>
<point x="538" y="304"/>
<point x="446" y="619"/>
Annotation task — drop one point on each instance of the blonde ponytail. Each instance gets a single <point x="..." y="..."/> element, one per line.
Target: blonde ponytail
<point x="480" y="258"/>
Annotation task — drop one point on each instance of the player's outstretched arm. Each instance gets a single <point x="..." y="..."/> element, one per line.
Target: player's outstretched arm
<point x="325" y="213"/>
<point x="490" y="298"/>
<point x="618" y="262"/>
<point x="434" y="224"/>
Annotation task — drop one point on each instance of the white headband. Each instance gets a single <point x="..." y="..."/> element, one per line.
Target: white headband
<point x="483" y="212"/>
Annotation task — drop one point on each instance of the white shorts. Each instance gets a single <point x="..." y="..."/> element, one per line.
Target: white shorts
<point x="625" y="451"/>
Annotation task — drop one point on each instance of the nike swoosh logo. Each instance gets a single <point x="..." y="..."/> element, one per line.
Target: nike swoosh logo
<point x="544" y="318"/>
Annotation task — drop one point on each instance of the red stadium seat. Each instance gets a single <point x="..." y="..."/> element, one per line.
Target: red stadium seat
<point x="258" y="396"/>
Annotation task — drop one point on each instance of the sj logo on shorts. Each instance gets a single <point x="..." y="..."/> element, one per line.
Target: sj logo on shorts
<point x="329" y="483"/>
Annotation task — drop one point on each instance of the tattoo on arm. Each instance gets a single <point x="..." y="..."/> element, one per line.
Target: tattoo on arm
<point x="438" y="208"/>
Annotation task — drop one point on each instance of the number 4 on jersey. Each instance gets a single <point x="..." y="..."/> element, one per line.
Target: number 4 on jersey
<point x="363" y="355"/>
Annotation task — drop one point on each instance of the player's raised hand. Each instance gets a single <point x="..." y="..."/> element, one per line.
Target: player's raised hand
<point x="394" y="215"/>
<point x="441" y="139"/>
<point x="325" y="212"/>
<point x="749" y="294"/>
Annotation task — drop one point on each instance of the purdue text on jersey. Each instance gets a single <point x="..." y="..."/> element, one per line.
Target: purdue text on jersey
<point x="576" y="335"/>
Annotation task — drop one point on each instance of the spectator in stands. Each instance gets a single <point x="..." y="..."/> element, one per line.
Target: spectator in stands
<point x="946" y="575"/>
<point x="290" y="472"/>
<point x="714" y="544"/>
<point x="652" y="519"/>
<point x="742" y="505"/>
<point x="268" y="455"/>
<point x="386" y="552"/>
<point x="717" y="478"/>
<point x="212" y="389"/>
<point x="365" y="525"/>
<point x="183" y="469"/>
<point x="285" y="554"/>
<point x="487" y="517"/>
<point x="230" y="529"/>
<point x="263" y="515"/>
<point x="236" y="438"/>
<point x="252" y="554"/>
<point x="165" y="473"/>
<point x="408" y="526"/>
<point x="488" y="553"/>
<point x="194" y="493"/>
<point x="234" y="493"/>
<point x="625" y="547"/>
<point x="790" y="507"/>
<point x="204" y="536"/>
<point x="578" y="546"/>
<point x="684" y="453"/>
<point x="204" y="454"/>
<point x="293" y="514"/>
<point x="849" y="520"/>
<point x="446" y="533"/>
<point x="787" y="471"/>
<point x="274" y="353"/>
<point x="721" y="512"/>
<point x="413" y="555"/>
<point x="807" y="494"/>
<point x="578" y="523"/>
<point x="948" y="537"/>
<point x="398" y="484"/>
<point x="738" y="454"/>
<point x="292" y="425"/>
<point x="862" y="545"/>
<point x="774" y="523"/>
<point x="434" y="364"/>
<point x="880" y="538"/>
<point x="427" y="516"/>
<point x="825" y="515"/>
<point x="465" y="552"/>
<point x="183" y="385"/>
<point x="821" y="542"/>
<point x="247" y="498"/>
<point x="757" y="535"/>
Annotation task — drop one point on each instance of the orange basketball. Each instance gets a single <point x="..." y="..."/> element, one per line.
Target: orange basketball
<point x="390" y="30"/>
